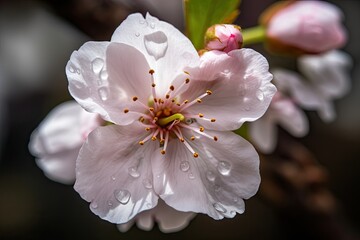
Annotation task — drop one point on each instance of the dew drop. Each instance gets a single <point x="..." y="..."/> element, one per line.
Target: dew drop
<point x="184" y="166"/>
<point x="137" y="34"/>
<point x="71" y="69"/>
<point x="224" y="167"/>
<point x="113" y="178"/>
<point x="93" y="205"/>
<point x="156" y="44"/>
<point x="133" y="172"/>
<point x="104" y="75"/>
<point x="97" y="65"/>
<point x="220" y="208"/>
<point x="191" y="176"/>
<point x="123" y="196"/>
<point x="210" y="176"/>
<point x="103" y="93"/>
<point x="260" y="95"/>
<point x="147" y="183"/>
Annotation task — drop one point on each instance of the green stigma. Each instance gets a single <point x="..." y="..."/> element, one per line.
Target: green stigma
<point x="164" y="121"/>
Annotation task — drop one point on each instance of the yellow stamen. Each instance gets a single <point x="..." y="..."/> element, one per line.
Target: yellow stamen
<point x="162" y="152"/>
<point x="141" y="143"/>
<point x="213" y="120"/>
<point x="135" y="98"/>
<point x="202" y="129"/>
<point x="151" y="71"/>
<point x="126" y="110"/>
<point x="196" y="154"/>
<point x="208" y="92"/>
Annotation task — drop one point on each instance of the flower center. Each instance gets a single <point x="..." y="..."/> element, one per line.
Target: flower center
<point x="166" y="118"/>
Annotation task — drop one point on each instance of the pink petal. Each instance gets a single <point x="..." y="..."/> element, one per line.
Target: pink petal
<point x="215" y="183"/>
<point x="165" y="48"/>
<point x="310" y="25"/>
<point x="114" y="173"/>
<point x="103" y="78"/>
<point x="240" y="85"/>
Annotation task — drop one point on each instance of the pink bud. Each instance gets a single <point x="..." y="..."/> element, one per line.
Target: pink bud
<point x="223" y="37"/>
<point x="309" y="26"/>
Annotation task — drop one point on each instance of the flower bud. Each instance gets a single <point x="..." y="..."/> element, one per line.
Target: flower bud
<point x="298" y="27"/>
<point x="223" y="37"/>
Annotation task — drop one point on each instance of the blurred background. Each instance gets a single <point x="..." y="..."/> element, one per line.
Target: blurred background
<point x="36" y="41"/>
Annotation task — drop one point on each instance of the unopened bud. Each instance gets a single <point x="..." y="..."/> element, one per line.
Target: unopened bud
<point x="223" y="37"/>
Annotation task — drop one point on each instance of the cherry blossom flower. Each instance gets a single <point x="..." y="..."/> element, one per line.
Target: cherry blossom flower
<point x="223" y="37"/>
<point x="304" y="27"/>
<point x="173" y="114"/>
<point x="284" y="112"/>
<point x="58" y="139"/>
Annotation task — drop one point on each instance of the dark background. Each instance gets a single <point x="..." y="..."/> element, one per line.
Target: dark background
<point x="36" y="40"/>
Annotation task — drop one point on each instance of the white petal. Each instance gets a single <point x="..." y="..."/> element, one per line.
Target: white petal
<point x="215" y="183"/>
<point x="103" y="78"/>
<point x="113" y="172"/>
<point x="304" y="94"/>
<point x="240" y="85"/>
<point x="263" y="133"/>
<point x="166" y="49"/>
<point x="328" y="72"/>
<point x="57" y="141"/>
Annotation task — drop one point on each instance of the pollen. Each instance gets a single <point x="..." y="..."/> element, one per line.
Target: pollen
<point x="167" y="96"/>
<point x="172" y="88"/>
<point x="208" y="92"/>
<point x="147" y="129"/>
<point x="192" y="138"/>
<point x="153" y="138"/>
<point x="186" y="72"/>
<point x="135" y="98"/>
<point x="126" y="110"/>
<point x="151" y="109"/>
<point x="182" y="140"/>
<point x="195" y="154"/>
<point x="199" y="100"/>
<point x="186" y="101"/>
<point x="141" y="142"/>
<point x="141" y="119"/>
<point x="151" y="71"/>
<point x="201" y="115"/>
<point x="215" y="138"/>
<point x="202" y="129"/>
<point x="162" y="152"/>
<point x="162" y="141"/>
<point x="153" y="85"/>
<point x="213" y="120"/>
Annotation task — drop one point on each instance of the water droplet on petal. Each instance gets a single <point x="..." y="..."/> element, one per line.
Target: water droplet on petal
<point x="133" y="172"/>
<point x="93" y="205"/>
<point x="220" y="208"/>
<point x="224" y="167"/>
<point x="104" y="75"/>
<point x="152" y="25"/>
<point x="123" y="196"/>
<point x="184" y="166"/>
<point x="210" y="176"/>
<point x="71" y="69"/>
<point x="97" y="65"/>
<point x="191" y="176"/>
<point x="103" y="93"/>
<point x="156" y="44"/>
<point x="260" y="95"/>
<point x="147" y="183"/>
<point x="137" y="34"/>
<point x="113" y="178"/>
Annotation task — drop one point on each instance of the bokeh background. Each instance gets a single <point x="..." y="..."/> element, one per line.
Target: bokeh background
<point x="36" y="40"/>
